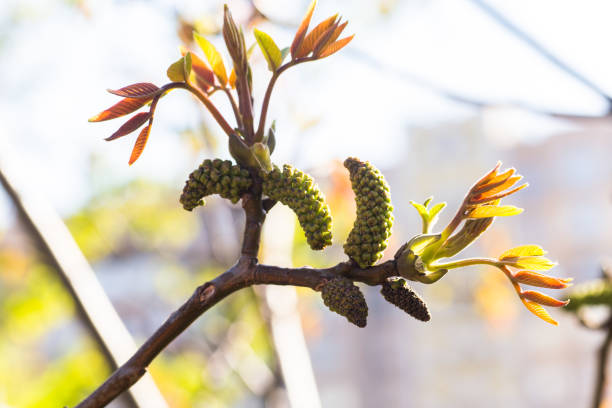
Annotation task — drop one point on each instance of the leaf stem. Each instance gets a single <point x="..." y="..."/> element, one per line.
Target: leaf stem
<point x="204" y="99"/>
<point x="268" y="94"/>
<point x="467" y="262"/>
<point x="234" y="106"/>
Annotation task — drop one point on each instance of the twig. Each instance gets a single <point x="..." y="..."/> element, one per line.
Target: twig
<point x="602" y="364"/>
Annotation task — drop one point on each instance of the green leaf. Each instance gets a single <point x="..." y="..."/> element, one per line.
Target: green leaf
<point x="421" y="209"/>
<point x="213" y="56"/>
<point x="269" y="49"/>
<point x="435" y="210"/>
<point x="524" y="250"/>
<point x="187" y="65"/>
<point x="176" y="71"/>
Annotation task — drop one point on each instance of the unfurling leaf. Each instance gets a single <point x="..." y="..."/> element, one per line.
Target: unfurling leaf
<point x="314" y="37"/>
<point x="468" y="234"/>
<point x="421" y="209"/>
<point x="131" y="125"/>
<point x="301" y="31"/>
<point x="139" y="90"/>
<point x="524" y="250"/>
<point x="534" y="263"/>
<point x="205" y="78"/>
<point x="335" y="47"/>
<point x="487" y="211"/>
<point x="122" y="108"/>
<point x="539" y="311"/>
<point x="435" y="210"/>
<point x="179" y="70"/>
<point x="213" y="56"/>
<point x="140" y="144"/>
<point x="284" y="53"/>
<point x="542" y="281"/>
<point x="543" y="299"/>
<point x="269" y="49"/>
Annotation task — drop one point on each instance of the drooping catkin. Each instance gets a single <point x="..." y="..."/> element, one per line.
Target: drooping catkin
<point x="215" y="177"/>
<point x="341" y="295"/>
<point x="398" y="292"/>
<point x="298" y="191"/>
<point x="372" y="228"/>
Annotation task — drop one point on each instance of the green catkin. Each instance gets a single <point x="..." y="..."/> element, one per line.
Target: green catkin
<point x="598" y="292"/>
<point x="398" y="292"/>
<point x="215" y="177"/>
<point x="341" y="295"/>
<point x="372" y="228"/>
<point x="298" y="191"/>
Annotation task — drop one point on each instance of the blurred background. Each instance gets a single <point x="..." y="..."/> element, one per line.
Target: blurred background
<point x="432" y="92"/>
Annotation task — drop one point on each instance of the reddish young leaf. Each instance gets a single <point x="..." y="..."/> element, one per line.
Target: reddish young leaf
<point x="140" y="144"/>
<point x="539" y="311"/>
<point x="122" y="108"/>
<point x="542" y="299"/>
<point x="324" y="39"/>
<point x="313" y="37"/>
<point x="131" y="125"/>
<point x="301" y="31"/>
<point x="335" y="47"/>
<point x="204" y="75"/>
<point x="540" y="280"/>
<point x="139" y="90"/>
<point x="338" y="30"/>
<point x="485" y="198"/>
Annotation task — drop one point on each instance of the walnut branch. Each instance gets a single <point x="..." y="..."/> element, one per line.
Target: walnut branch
<point x="244" y="273"/>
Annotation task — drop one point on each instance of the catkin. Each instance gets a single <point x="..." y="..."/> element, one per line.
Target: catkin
<point x="215" y="177"/>
<point x="341" y="295"/>
<point x="398" y="292"/>
<point x="298" y="191"/>
<point x="372" y="228"/>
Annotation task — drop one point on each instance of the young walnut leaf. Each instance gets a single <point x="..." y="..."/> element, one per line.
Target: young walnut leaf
<point x="487" y="211"/>
<point x="543" y="299"/>
<point x="301" y="31"/>
<point x="532" y="278"/>
<point x="335" y="47"/>
<point x="140" y="144"/>
<point x="313" y="37"/>
<point x="205" y="78"/>
<point x="121" y="108"/>
<point x="534" y="263"/>
<point x="139" y="90"/>
<point x="213" y="56"/>
<point x="269" y="49"/>
<point x="179" y="70"/>
<point x="539" y="311"/>
<point x="523" y="250"/>
<point x="131" y="125"/>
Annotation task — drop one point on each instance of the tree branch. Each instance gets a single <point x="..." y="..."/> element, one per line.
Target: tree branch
<point x="245" y="273"/>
